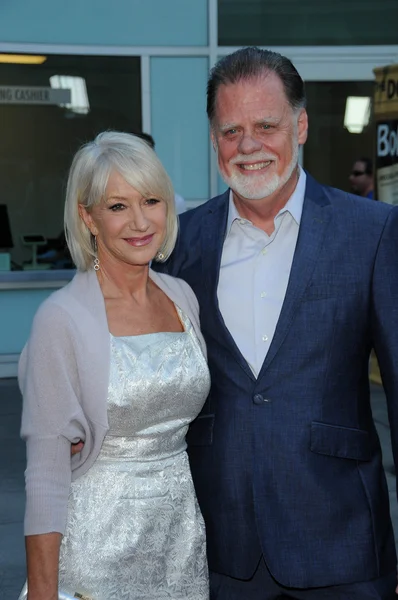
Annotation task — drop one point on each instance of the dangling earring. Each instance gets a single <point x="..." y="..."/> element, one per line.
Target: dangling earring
<point x="96" y="260"/>
<point x="159" y="256"/>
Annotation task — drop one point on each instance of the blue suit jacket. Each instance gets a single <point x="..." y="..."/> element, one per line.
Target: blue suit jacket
<point x="289" y="464"/>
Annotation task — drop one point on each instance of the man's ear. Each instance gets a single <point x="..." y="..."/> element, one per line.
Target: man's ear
<point x="213" y="139"/>
<point x="302" y="126"/>
<point x="87" y="219"/>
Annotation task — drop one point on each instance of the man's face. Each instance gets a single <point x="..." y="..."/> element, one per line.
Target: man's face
<point x="359" y="179"/>
<point x="256" y="135"/>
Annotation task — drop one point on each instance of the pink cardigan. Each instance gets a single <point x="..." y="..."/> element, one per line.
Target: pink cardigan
<point x="63" y="376"/>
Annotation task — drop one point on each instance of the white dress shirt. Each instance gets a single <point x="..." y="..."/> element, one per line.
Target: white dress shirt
<point x="254" y="274"/>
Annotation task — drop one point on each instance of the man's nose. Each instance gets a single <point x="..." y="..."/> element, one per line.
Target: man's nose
<point x="249" y="144"/>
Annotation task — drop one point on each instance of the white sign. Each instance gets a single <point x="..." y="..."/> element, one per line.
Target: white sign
<point x="33" y="95"/>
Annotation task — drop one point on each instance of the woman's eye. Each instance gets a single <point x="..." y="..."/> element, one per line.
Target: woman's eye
<point x="116" y="207"/>
<point x="152" y="201"/>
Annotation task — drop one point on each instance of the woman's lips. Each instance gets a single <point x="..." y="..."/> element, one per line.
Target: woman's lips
<point x="140" y="241"/>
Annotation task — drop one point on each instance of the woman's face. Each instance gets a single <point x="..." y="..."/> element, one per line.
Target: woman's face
<point x="129" y="228"/>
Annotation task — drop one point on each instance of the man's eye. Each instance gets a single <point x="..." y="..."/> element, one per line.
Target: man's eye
<point x="266" y="126"/>
<point x="116" y="207"/>
<point x="230" y="132"/>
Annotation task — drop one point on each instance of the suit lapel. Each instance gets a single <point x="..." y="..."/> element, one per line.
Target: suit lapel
<point x="213" y="236"/>
<point x="314" y="223"/>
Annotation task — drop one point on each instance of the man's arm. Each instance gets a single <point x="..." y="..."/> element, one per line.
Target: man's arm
<point x="384" y="319"/>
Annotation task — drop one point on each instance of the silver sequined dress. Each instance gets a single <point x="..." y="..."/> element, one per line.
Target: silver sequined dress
<point x="135" y="531"/>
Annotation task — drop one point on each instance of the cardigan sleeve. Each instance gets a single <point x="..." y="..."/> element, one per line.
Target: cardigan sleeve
<point x="51" y="417"/>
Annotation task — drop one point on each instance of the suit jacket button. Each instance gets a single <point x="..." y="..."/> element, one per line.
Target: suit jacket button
<point x="258" y="399"/>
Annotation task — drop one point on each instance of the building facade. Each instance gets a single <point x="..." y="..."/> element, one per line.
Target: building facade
<point x="142" y="65"/>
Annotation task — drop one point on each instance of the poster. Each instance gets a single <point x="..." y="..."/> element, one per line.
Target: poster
<point x="386" y="118"/>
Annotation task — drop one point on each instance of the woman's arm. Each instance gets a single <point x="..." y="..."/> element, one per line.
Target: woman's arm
<point x="42" y="556"/>
<point x="47" y="377"/>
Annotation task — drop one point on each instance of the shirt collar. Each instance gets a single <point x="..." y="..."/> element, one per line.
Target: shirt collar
<point x="294" y="205"/>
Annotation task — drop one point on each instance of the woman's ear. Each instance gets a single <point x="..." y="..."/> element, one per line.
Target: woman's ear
<point x="87" y="219"/>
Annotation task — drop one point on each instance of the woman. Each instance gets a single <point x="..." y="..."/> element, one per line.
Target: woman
<point x="115" y="359"/>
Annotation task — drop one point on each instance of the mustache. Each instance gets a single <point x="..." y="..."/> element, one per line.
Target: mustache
<point x="257" y="157"/>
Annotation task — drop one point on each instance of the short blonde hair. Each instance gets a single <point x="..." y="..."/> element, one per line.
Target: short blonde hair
<point x="138" y="164"/>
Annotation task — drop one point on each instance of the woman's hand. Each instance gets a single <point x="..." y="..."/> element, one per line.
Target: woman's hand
<point x="76" y="448"/>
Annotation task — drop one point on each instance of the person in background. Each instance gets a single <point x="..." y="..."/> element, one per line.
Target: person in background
<point x="296" y="283"/>
<point x="116" y="360"/>
<point x="362" y="179"/>
<point x="179" y="200"/>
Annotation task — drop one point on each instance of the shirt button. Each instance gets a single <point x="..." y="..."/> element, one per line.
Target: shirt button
<point x="263" y="294"/>
<point x="242" y="221"/>
<point x="265" y="338"/>
<point x="264" y="251"/>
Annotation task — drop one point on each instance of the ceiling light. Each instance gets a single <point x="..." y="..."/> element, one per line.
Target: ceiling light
<point x="22" y="59"/>
<point x="357" y="113"/>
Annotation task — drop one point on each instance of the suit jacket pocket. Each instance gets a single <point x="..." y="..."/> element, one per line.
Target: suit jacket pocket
<point x="200" y="432"/>
<point x="341" y="442"/>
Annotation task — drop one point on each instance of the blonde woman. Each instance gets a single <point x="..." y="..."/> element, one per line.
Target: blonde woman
<point x="116" y="360"/>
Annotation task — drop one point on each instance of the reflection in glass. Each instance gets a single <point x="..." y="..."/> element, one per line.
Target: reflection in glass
<point x="38" y="141"/>
<point x="307" y="22"/>
<point x="331" y="148"/>
<point x="78" y="91"/>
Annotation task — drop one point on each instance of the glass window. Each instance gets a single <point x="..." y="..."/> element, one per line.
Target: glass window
<point x="307" y="22"/>
<point x="332" y="148"/>
<point x="47" y="111"/>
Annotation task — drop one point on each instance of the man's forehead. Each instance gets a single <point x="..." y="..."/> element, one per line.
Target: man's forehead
<point x="267" y="89"/>
<point x="263" y="81"/>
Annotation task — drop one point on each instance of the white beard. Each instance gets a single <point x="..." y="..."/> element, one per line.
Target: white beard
<point x="256" y="188"/>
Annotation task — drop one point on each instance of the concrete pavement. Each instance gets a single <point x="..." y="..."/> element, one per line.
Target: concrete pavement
<point x="12" y="464"/>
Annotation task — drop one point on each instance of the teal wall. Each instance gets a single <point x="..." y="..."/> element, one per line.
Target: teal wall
<point x="105" y="23"/>
<point x="17" y="309"/>
<point x="179" y="122"/>
<point x="177" y="101"/>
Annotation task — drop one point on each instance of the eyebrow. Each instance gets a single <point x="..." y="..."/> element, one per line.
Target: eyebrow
<point x="226" y="126"/>
<point x="264" y="121"/>
<point x="114" y="197"/>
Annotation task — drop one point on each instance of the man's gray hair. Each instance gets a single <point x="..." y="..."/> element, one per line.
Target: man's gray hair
<point x="249" y="63"/>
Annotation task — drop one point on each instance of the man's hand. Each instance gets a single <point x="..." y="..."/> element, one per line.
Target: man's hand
<point x="78" y="447"/>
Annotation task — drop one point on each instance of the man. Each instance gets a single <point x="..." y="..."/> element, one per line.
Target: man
<point x="296" y="283"/>
<point x="361" y="178"/>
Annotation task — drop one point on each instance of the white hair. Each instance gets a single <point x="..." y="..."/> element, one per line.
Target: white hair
<point x="137" y="163"/>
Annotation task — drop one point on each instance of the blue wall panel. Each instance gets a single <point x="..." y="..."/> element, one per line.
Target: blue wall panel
<point x="105" y="23"/>
<point x="17" y="309"/>
<point x="179" y="122"/>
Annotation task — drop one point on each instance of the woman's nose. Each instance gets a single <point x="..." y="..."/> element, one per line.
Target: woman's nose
<point x="139" y="222"/>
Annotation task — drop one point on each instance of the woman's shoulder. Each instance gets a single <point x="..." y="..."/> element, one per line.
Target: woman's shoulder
<point x="174" y="284"/>
<point x="63" y="306"/>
